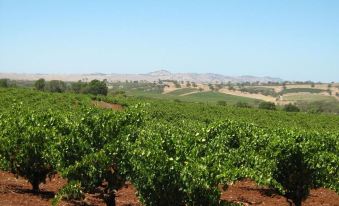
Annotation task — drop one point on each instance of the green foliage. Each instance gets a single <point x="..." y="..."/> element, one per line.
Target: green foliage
<point x="267" y="105"/>
<point x="78" y="87"/>
<point x="92" y="153"/>
<point x="260" y="90"/>
<point x="222" y="103"/>
<point x="71" y="191"/>
<point x="97" y="170"/>
<point x="297" y="90"/>
<point x="56" y="86"/>
<point x="317" y="107"/>
<point x="119" y="93"/>
<point x="40" y="84"/>
<point x="291" y="108"/>
<point x="173" y="153"/>
<point x="97" y="87"/>
<point x="243" y="105"/>
<point x="4" y="83"/>
<point x="155" y="170"/>
<point x="25" y="139"/>
<point x="293" y="172"/>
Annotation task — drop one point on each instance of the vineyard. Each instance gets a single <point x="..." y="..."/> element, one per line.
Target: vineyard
<point x="174" y="153"/>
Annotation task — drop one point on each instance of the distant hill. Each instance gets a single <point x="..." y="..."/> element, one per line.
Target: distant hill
<point x="150" y="77"/>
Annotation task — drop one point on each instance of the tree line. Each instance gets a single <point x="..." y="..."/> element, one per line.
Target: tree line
<point x="95" y="87"/>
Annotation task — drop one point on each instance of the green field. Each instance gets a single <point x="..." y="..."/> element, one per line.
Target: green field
<point x="182" y="91"/>
<point x="297" y="90"/>
<point x="203" y="97"/>
<point x="309" y="98"/>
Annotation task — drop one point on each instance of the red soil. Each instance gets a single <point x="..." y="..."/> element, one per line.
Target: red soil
<point x="14" y="192"/>
<point x="17" y="192"/>
<point x="248" y="193"/>
<point x="105" y="105"/>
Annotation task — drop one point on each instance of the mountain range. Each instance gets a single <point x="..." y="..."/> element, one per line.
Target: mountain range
<point x="150" y="77"/>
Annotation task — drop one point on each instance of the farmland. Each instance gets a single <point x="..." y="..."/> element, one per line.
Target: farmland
<point x="173" y="153"/>
<point x="169" y="103"/>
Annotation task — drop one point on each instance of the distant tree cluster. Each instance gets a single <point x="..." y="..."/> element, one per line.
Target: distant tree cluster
<point x="56" y="86"/>
<point x="291" y="108"/>
<point x="211" y="87"/>
<point x="5" y="83"/>
<point x="267" y="105"/>
<point x="51" y="86"/>
<point x="259" y="90"/>
<point x="177" y="84"/>
<point x="94" y="87"/>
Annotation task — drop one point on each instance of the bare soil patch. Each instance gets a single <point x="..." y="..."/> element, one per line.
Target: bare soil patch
<point x="17" y="192"/>
<point x="106" y="105"/>
<point x="249" y="95"/>
<point x="14" y="192"/>
<point x="248" y="193"/>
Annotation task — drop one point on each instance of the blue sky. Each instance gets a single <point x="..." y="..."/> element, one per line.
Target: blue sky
<point x="291" y="39"/>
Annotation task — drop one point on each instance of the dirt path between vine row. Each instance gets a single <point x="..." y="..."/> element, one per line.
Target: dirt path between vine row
<point x="15" y="192"/>
<point x="189" y="93"/>
<point x="106" y="105"/>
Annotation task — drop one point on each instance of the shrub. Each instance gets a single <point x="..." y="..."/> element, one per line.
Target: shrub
<point x="26" y="140"/>
<point x="4" y="83"/>
<point x="155" y="170"/>
<point x="40" y="84"/>
<point x="78" y="86"/>
<point x="243" y="105"/>
<point x="56" y="86"/>
<point x="294" y="174"/>
<point x="7" y="83"/>
<point x="291" y="108"/>
<point x="222" y="103"/>
<point x="267" y="105"/>
<point x="93" y="153"/>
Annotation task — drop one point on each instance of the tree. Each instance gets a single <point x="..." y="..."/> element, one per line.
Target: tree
<point x="230" y="87"/>
<point x="4" y="83"/>
<point x="78" y="87"/>
<point x="329" y="92"/>
<point x="267" y="105"/>
<point x="97" y="87"/>
<point x="291" y="108"/>
<point x="40" y="84"/>
<point x="56" y="86"/>
<point x="211" y="87"/>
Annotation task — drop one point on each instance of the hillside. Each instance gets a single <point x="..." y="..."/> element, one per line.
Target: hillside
<point x="150" y="77"/>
